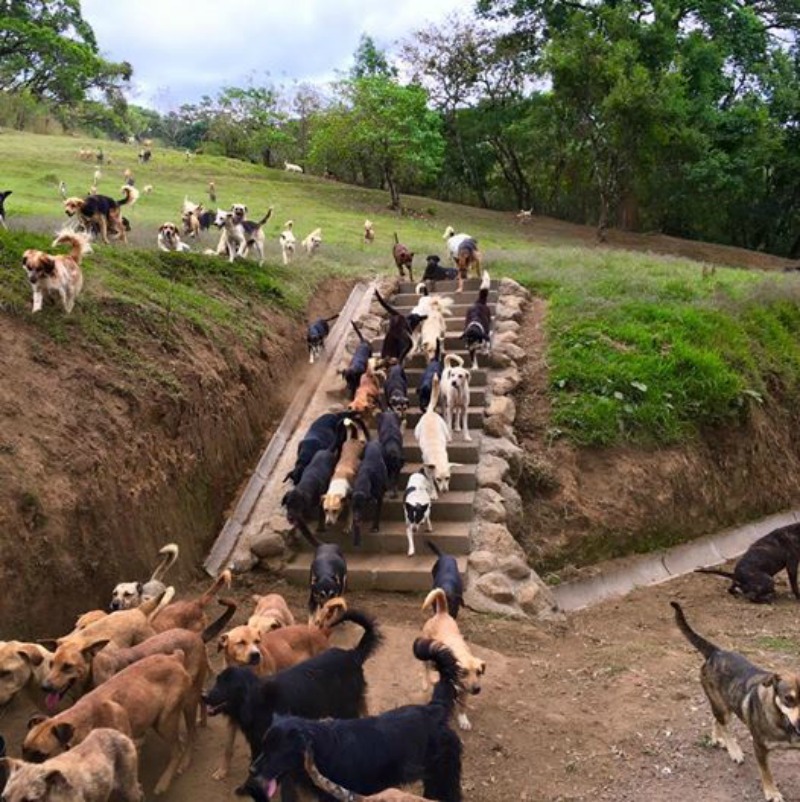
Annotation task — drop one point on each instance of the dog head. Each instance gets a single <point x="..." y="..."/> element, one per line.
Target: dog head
<point x="283" y="752"/>
<point x="239" y="212"/>
<point x="38" y="265"/>
<point x="169" y="233"/>
<point x="47" y="737"/>
<point x="473" y="670"/>
<point x="332" y="504"/>
<point x="439" y="475"/>
<point x="72" y="663"/>
<point x="28" y="782"/>
<point x="17" y="662"/>
<point x="222" y="218"/>
<point x="329" y="613"/>
<point x="73" y="206"/>
<point x="241" y="646"/>
<point x="229" y="691"/>
<point x="458" y="378"/>
<point x="432" y="262"/>
<point x="786" y="695"/>
<point x="271" y="613"/>
<point x="126" y="596"/>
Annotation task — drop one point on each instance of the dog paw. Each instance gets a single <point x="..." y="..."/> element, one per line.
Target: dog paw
<point x="464" y="722"/>
<point x="220" y="774"/>
<point x="735" y="752"/>
<point x="773" y="796"/>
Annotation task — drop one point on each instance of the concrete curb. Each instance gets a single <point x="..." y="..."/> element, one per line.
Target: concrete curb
<point x="617" y="578"/>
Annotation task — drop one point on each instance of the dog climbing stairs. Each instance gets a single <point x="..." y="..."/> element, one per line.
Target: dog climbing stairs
<point x="380" y="562"/>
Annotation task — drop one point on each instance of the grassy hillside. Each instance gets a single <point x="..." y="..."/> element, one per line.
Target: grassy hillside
<point x="642" y="347"/>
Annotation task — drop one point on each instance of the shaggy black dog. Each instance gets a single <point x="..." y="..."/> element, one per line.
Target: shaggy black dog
<point x="434" y="368"/>
<point x="368" y="755"/>
<point x="369" y="487"/>
<point x="478" y="326"/>
<point x="316" y="335"/>
<point x="435" y="272"/>
<point x="395" y="390"/>
<point x="390" y="436"/>
<point x="330" y="684"/>
<point x="447" y="577"/>
<point x="303" y="501"/>
<point x="397" y="342"/>
<point x="358" y="363"/>
<point x="328" y="576"/>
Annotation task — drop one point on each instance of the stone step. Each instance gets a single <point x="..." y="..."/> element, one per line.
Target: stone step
<point x="458" y="451"/>
<point x="455" y="505"/>
<point x="449" y="287"/>
<point x="461" y="478"/>
<point x="453" y="344"/>
<point x="394" y="572"/>
<point x="474" y="417"/>
<point x="477" y="379"/>
<point x="451" y="536"/>
<point x="410" y="299"/>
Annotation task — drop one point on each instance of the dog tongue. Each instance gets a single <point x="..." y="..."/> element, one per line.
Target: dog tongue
<point x="52" y="700"/>
<point x="272" y="788"/>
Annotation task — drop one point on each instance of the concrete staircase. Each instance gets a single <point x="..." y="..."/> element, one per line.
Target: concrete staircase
<point x="381" y="562"/>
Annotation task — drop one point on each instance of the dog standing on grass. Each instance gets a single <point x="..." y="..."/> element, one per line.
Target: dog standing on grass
<point x="288" y="242"/>
<point x="403" y="258"/>
<point x="59" y="274"/>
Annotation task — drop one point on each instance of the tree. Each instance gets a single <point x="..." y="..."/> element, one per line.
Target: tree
<point x="370" y="61"/>
<point x="48" y="50"/>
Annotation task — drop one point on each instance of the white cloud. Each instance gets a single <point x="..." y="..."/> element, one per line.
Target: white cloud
<point x="182" y="50"/>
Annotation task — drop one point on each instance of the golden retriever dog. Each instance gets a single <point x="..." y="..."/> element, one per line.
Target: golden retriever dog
<point x="271" y="612"/>
<point x="57" y="274"/>
<point x="443" y="627"/>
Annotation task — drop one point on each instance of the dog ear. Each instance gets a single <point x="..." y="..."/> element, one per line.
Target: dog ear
<point x="222" y="642"/>
<point x="51" y="644"/>
<point x="92" y="649"/>
<point x="771" y="681"/>
<point x="481" y="668"/>
<point x="56" y="781"/>
<point x="47" y="263"/>
<point x="35" y="720"/>
<point x="64" y="733"/>
<point x="30" y="654"/>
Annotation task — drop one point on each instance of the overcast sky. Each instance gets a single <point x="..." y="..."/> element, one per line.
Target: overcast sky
<point x="183" y="49"/>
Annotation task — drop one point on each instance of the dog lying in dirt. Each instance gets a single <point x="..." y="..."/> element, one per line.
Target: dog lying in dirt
<point x="127" y="595"/>
<point x="753" y="576"/>
<point x="103" y="767"/>
<point x="442" y="627"/>
<point x="766" y="702"/>
<point x="57" y="274"/>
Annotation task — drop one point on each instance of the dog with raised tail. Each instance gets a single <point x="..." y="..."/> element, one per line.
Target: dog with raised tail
<point x="478" y="323"/>
<point x="417" y="503"/>
<point x="316" y="335"/>
<point x="58" y="274"/>
<point x="127" y="595"/>
<point x="312" y="242"/>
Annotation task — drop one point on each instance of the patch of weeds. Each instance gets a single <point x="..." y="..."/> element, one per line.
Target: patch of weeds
<point x="538" y="474"/>
<point x="779" y="643"/>
<point x="705" y="742"/>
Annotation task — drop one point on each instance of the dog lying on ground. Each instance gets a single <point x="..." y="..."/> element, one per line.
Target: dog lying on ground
<point x="478" y="324"/>
<point x="369" y="232"/>
<point x="436" y="272"/>
<point x="288" y="242"/>
<point x="442" y="627"/>
<point x="417" y="504"/>
<point x="316" y="335"/>
<point x="390" y="436"/>
<point x="105" y="766"/>
<point x="766" y="702"/>
<point x="368" y="393"/>
<point x="358" y="363"/>
<point x="330" y="684"/>
<point x="3" y="195"/>
<point x="169" y="240"/>
<point x="456" y="394"/>
<point x="433" y="369"/>
<point x="447" y="577"/>
<point x="343" y="795"/>
<point x="271" y="612"/>
<point x="753" y="576"/>
<point x="101" y="212"/>
<point x="368" y="755"/>
<point x="152" y="693"/>
<point x="190" y="614"/>
<point x="327" y="578"/>
<point x="312" y="242"/>
<point x="395" y="391"/>
<point x="344" y="475"/>
<point x="368" y="488"/>
<point x="398" y="341"/>
<point x="127" y="595"/>
<point x="304" y="500"/>
<point x="58" y="274"/>
<point x="403" y="258"/>
<point x="23" y="667"/>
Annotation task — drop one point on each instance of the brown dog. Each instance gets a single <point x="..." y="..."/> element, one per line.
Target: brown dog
<point x="23" y="666"/>
<point x="103" y="767"/>
<point x="403" y="258"/>
<point x="57" y="274"/>
<point x="100" y="212"/>
<point x="190" y="614"/>
<point x="443" y="627"/>
<point x="152" y="693"/>
<point x="368" y="393"/>
<point x="343" y="477"/>
<point x="271" y="612"/>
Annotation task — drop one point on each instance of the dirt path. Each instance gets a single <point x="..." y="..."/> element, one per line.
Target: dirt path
<point x="603" y="710"/>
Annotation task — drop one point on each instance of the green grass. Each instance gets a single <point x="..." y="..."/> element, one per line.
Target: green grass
<point x="642" y="348"/>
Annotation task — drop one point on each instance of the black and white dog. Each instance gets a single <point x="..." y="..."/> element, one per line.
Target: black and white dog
<point x="3" y="196"/>
<point x="328" y="576"/>
<point x="417" y="503"/>
<point x="316" y="335"/>
<point x="478" y="324"/>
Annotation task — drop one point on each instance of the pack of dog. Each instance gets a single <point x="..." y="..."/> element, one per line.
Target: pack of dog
<point x="390" y="436"/>
<point x="369" y="488"/>
<point x="316" y="335"/>
<point x="478" y="324"/>
<point x="403" y="258"/>
<point x="358" y="363"/>
<point x="57" y="275"/>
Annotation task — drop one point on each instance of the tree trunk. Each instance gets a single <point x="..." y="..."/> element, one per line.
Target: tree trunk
<point x="473" y="178"/>
<point x="393" y="191"/>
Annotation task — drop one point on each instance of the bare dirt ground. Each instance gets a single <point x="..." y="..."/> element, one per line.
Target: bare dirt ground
<point x="607" y="708"/>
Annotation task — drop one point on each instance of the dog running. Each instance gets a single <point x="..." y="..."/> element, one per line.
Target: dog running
<point x="57" y="275"/>
<point x="316" y="335"/>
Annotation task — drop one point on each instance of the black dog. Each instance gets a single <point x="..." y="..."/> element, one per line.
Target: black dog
<point x="446" y="576"/>
<point x="315" y="337"/>
<point x="478" y="325"/>
<point x="3" y="196"/>
<point x="330" y="684"/>
<point x="371" y="754"/>
<point x="397" y="342"/>
<point x="434" y="368"/>
<point x="390" y="436"/>
<point x="304" y="499"/>
<point x="435" y="272"/>
<point x="369" y="486"/>
<point x="395" y="390"/>
<point x="753" y="575"/>
<point x="328" y="576"/>
<point x="358" y="363"/>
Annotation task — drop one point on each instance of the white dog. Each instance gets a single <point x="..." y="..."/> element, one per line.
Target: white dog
<point x="312" y="242"/>
<point x="58" y="274"/>
<point x="288" y="241"/>
<point x="127" y="595"/>
<point x="432" y="435"/>
<point x="417" y="506"/>
<point x="169" y="239"/>
<point x="434" y="327"/>
<point x="455" y="391"/>
<point x="232" y="240"/>
<point x="292" y="168"/>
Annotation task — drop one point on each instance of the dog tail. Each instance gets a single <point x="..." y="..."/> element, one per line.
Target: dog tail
<point x="396" y="240"/>
<point x="453" y="361"/>
<point x="434" y="402"/>
<point x="265" y="217"/>
<point x="486" y="281"/>
<point x="715" y="571"/>
<point x="169" y="556"/>
<point x="388" y="307"/>
<point x="328" y="786"/>
<point x="706" y="648"/>
<point x="216" y="627"/>
<point x="130" y="196"/>
<point x="370" y="640"/>
<point x="436" y="599"/>
<point x="446" y="689"/>
<point x="421" y="288"/>
<point x="358" y="331"/>
<point x="224" y="578"/>
<point x="79" y="242"/>
<point x="331" y="319"/>
<point x="434" y="548"/>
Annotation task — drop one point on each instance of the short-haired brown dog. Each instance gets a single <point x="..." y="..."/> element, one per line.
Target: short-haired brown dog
<point x="403" y="258"/>
<point x="153" y="693"/>
<point x="23" y="666"/>
<point x="368" y="393"/>
<point x="271" y="612"/>
<point x="443" y="627"/>
<point x="103" y="767"/>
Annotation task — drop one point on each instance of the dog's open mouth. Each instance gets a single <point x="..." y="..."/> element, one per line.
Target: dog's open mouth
<point x="53" y="698"/>
<point x="215" y="710"/>
<point x="270" y="787"/>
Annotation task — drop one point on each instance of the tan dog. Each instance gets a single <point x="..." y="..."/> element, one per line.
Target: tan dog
<point x="432" y="435"/>
<point x="443" y="627"/>
<point x="369" y="232"/>
<point x="434" y="327"/>
<point x="58" y="274"/>
<point x="271" y="612"/>
<point x="103" y="767"/>
<point x="312" y="242"/>
<point x="23" y="666"/>
<point x="344" y="475"/>
<point x="152" y="693"/>
<point x="169" y="239"/>
<point x="456" y="394"/>
<point x="190" y="614"/>
<point x="368" y="393"/>
<point x="87" y="619"/>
